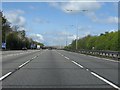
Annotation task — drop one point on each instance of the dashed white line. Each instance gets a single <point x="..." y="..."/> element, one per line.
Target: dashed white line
<point x="62" y="55"/>
<point x="77" y="64"/>
<point x="6" y="75"/>
<point x="108" y="82"/>
<point x="101" y="78"/>
<point x="21" y="65"/>
<point x="9" y="73"/>
<point x="24" y="64"/>
<point x="87" y="69"/>
<point x="34" y="57"/>
<point x="67" y="58"/>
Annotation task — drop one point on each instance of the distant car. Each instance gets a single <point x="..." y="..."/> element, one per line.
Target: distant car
<point x="24" y="48"/>
<point x="49" y="48"/>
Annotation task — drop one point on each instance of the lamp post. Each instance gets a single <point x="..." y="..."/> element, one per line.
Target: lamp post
<point x="66" y="39"/>
<point x="70" y="10"/>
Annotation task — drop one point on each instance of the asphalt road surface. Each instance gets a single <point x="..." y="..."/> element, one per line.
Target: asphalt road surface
<point x="57" y="69"/>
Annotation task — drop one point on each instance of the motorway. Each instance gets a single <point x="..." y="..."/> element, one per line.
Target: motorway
<point x="57" y="69"/>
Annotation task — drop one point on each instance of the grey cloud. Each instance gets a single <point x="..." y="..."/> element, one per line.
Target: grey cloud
<point x="15" y="17"/>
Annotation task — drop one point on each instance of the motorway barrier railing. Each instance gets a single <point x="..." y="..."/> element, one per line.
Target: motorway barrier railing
<point x="101" y="53"/>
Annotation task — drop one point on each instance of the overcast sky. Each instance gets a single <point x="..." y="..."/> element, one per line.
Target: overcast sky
<point x="50" y="22"/>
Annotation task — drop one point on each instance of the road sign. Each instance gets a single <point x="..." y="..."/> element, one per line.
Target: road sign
<point x="4" y="45"/>
<point x="38" y="46"/>
<point x="33" y="46"/>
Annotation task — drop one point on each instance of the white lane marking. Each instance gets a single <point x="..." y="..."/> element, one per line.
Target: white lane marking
<point x="87" y="69"/>
<point x="104" y="59"/>
<point x="19" y="53"/>
<point x="110" y="60"/>
<point x="83" y="54"/>
<point x="24" y="64"/>
<point x="6" y="75"/>
<point x="77" y="64"/>
<point x="101" y="58"/>
<point x="62" y="55"/>
<point x="108" y="82"/>
<point x="97" y="57"/>
<point x="67" y="58"/>
<point x="34" y="57"/>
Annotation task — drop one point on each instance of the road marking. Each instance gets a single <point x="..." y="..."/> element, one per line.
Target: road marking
<point x="24" y="64"/>
<point x="6" y="75"/>
<point x="77" y="64"/>
<point x="67" y="58"/>
<point x="34" y="57"/>
<point x="101" y="78"/>
<point x="108" y="82"/>
<point x="18" y="54"/>
<point x="104" y="59"/>
<point x="101" y="58"/>
<point x="110" y="60"/>
<point x="62" y="55"/>
<point x="87" y="69"/>
<point x="83" y="54"/>
<point x="96" y="57"/>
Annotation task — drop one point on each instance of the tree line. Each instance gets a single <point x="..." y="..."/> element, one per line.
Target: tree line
<point x="105" y="41"/>
<point x="15" y="38"/>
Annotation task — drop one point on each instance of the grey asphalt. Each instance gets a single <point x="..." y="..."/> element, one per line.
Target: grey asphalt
<point x="11" y="52"/>
<point x="51" y="70"/>
<point x="107" y="69"/>
<point x="9" y="63"/>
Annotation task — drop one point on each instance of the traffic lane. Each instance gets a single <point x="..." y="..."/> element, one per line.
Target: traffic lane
<point x="91" y="62"/>
<point x="12" y="63"/>
<point x="8" y="59"/>
<point x="52" y="70"/>
<point x="88" y="58"/>
<point x="12" y="52"/>
<point x="107" y="69"/>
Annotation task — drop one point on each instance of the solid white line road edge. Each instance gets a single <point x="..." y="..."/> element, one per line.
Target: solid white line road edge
<point x="6" y="75"/>
<point x="104" y="59"/>
<point x="108" y="82"/>
<point x="96" y="57"/>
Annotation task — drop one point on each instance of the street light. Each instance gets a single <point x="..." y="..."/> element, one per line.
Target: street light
<point x="70" y="10"/>
<point x="67" y="34"/>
